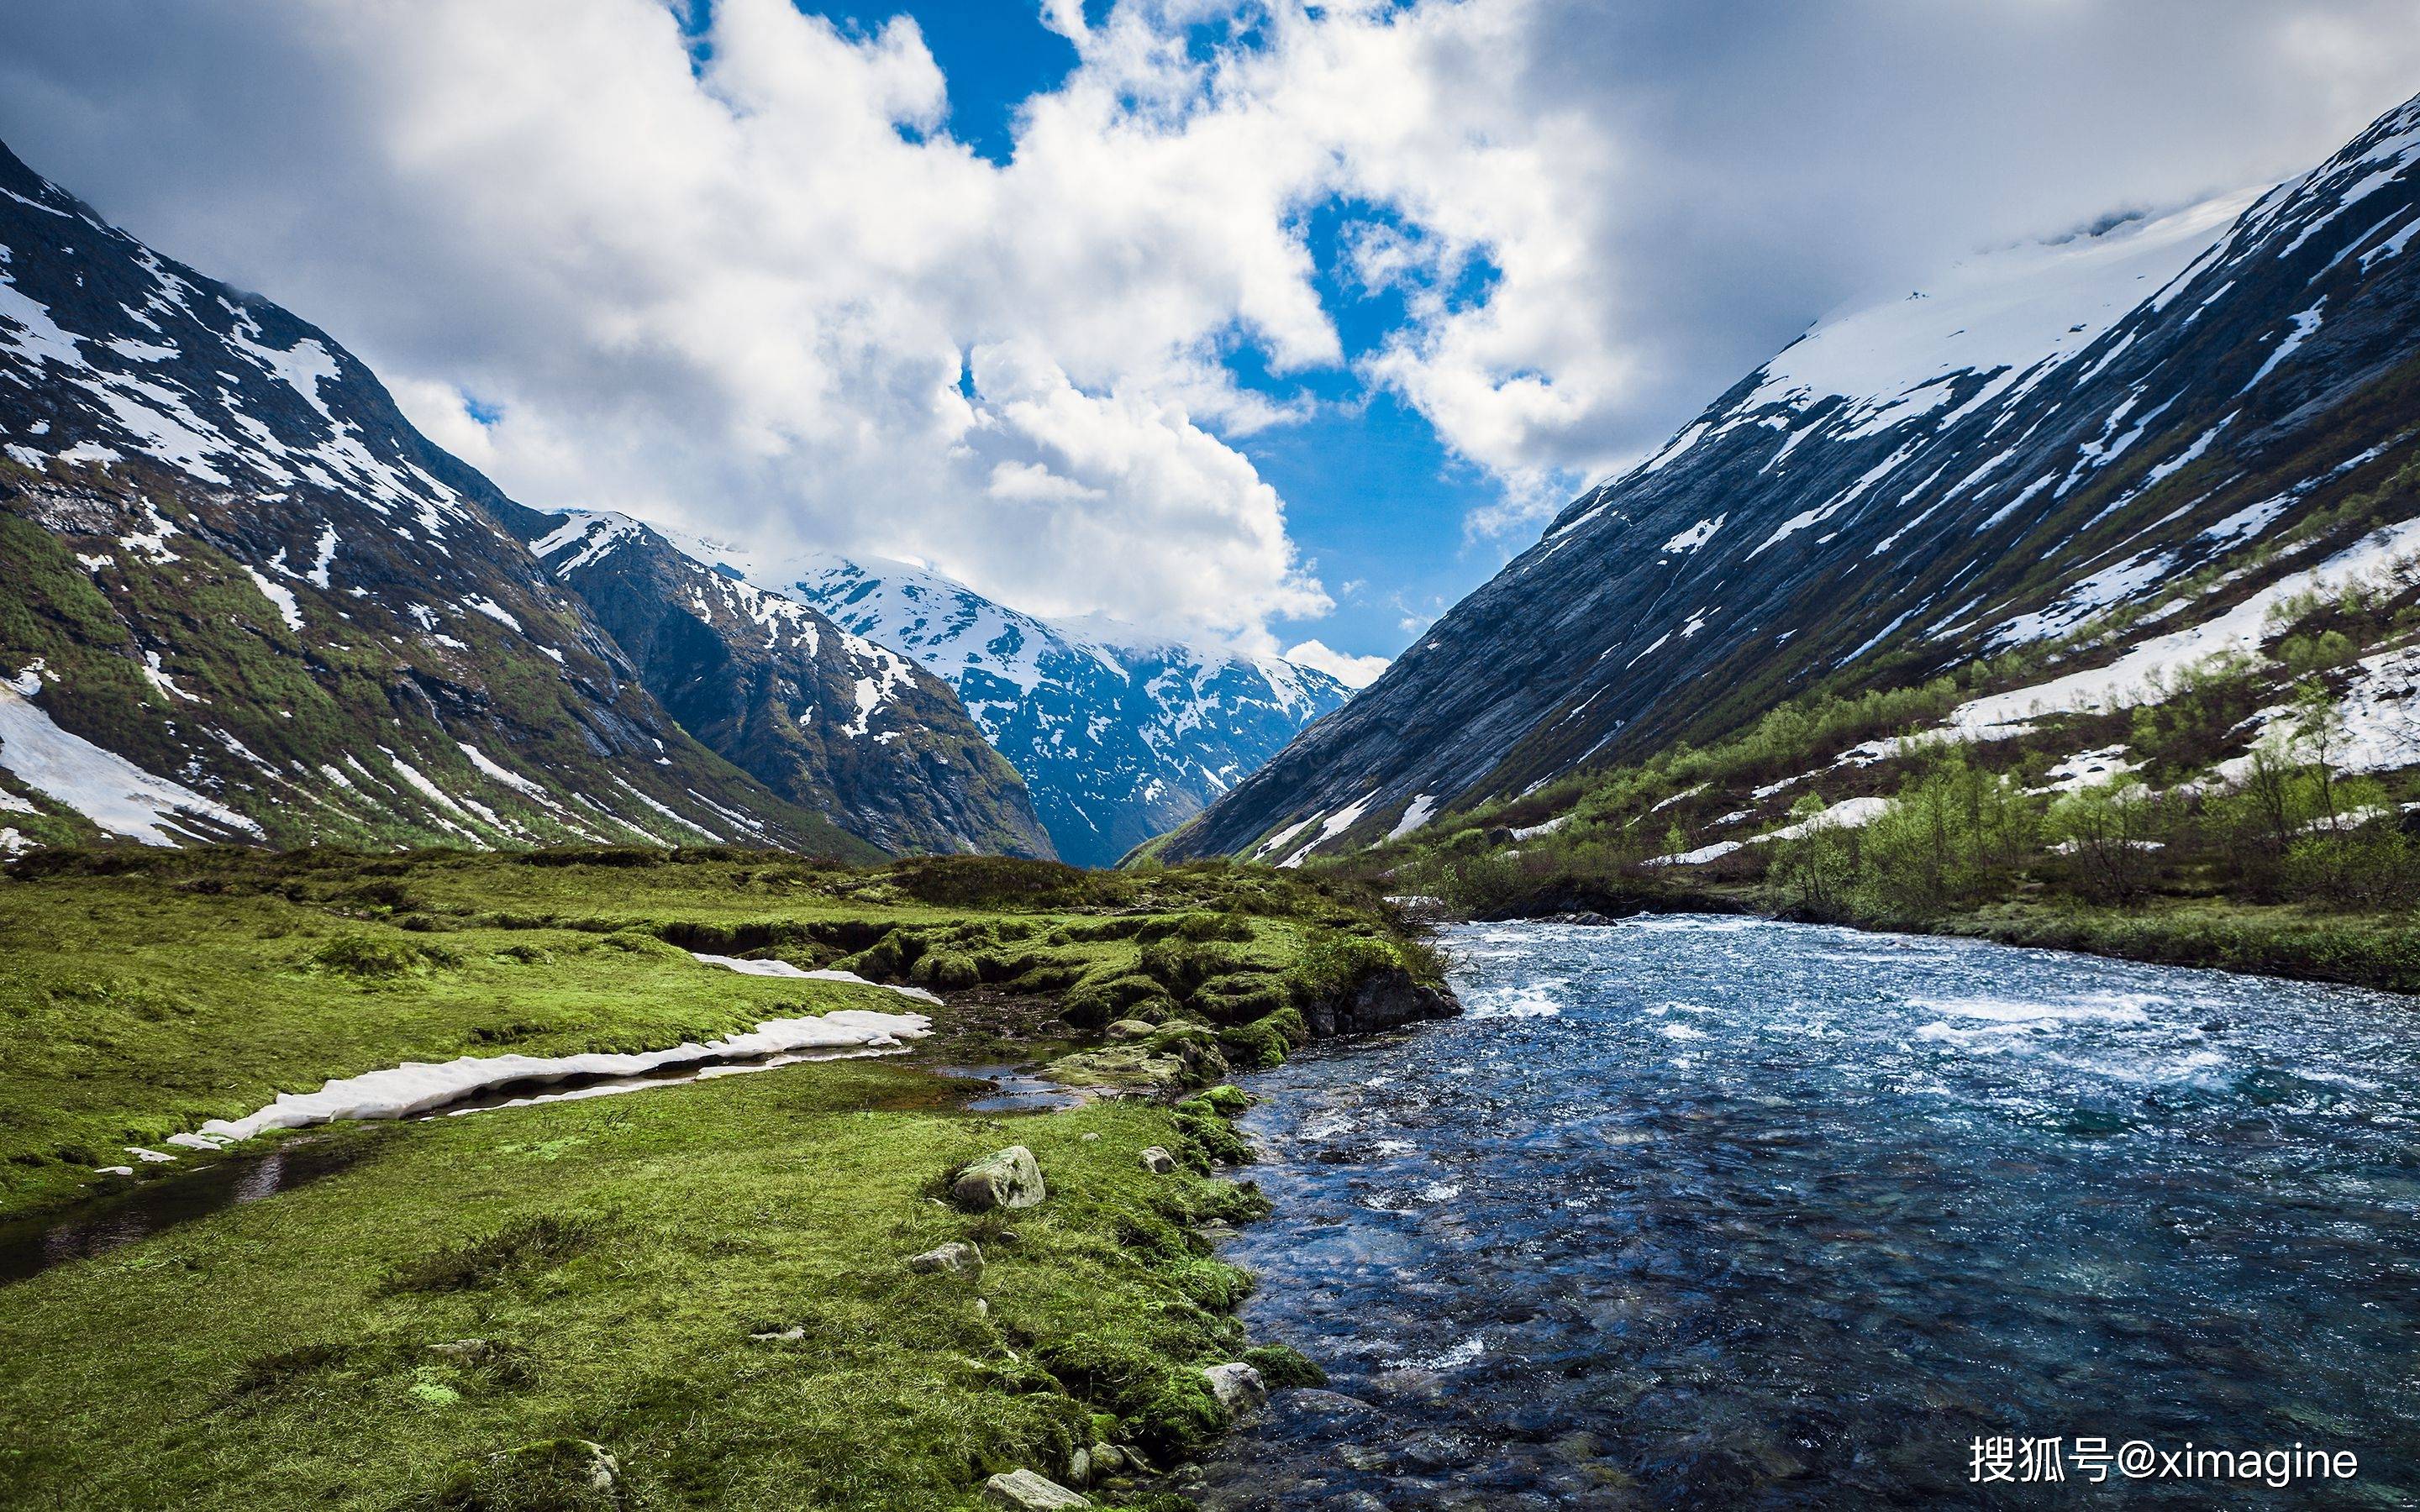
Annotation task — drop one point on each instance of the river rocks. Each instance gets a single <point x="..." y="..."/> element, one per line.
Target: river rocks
<point x="1158" y="1162"/>
<point x="1131" y="1030"/>
<point x="1079" y="1467"/>
<point x="1030" y="1493"/>
<point x="1383" y="1000"/>
<point x="957" y="1257"/>
<point x="1238" y="1388"/>
<point x="1006" y="1179"/>
<point x="1091" y="1138"/>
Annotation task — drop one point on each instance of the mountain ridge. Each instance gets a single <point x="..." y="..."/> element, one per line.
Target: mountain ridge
<point x="1792" y="531"/>
<point x="250" y="601"/>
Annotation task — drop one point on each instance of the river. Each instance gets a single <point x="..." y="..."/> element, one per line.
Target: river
<point x="1698" y="1211"/>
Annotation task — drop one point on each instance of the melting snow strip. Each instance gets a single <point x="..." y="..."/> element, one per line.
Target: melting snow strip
<point x="417" y="1087"/>
<point x="783" y="968"/>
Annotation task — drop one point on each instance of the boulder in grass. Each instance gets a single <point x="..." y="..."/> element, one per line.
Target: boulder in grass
<point x="957" y="1257"/>
<point x="1158" y="1161"/>
<point x="1009" y="1178"/>
<point x="1238" y="1388"/>
<point x="1030" y="1493"/>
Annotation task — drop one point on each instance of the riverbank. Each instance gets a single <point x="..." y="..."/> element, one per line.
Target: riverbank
<point x="709" y="1282"/>
<point x="2300" y="943"/>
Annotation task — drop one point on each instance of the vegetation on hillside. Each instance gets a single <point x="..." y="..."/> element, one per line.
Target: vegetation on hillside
<point x="2215" y="822"/>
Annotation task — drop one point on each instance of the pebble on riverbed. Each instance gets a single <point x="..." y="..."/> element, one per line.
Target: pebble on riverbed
<point x="1158" y="1161"/>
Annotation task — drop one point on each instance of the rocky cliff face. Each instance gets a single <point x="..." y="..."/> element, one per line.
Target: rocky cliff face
<point x="824" y="718"/>
<point x="245" y="599"/>
<point x="1121" y="737"/>
<point x="2116" y="423"/>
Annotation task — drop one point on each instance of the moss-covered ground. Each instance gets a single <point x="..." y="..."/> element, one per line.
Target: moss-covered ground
<point x="707" y="1280"/>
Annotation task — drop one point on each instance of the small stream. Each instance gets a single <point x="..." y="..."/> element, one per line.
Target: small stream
<point x="207" y="1184"/>
<point x="1698" y="1212"/>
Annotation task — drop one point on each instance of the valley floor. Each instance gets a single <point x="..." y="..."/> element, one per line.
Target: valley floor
<point x="691" y="1296"/>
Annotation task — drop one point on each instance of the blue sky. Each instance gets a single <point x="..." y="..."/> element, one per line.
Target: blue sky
<point x="1376" y="504"/>
<point x="1264" y="322"/>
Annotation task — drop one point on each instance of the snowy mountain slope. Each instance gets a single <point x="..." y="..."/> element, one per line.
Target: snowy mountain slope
<point x="2048" y="436"/>
<point x="824" y="718"/>
<point x="1121" y="737"/>
<point x="245" y="599"/>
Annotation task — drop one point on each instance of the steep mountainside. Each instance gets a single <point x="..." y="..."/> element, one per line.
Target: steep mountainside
<point x="1121" y="737"/>
<point x="245" y="599"/>
<point x="2095" y="445"/>
<point x="815" y="713"/>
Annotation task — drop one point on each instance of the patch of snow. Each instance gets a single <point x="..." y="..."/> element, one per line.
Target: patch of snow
<point x="103" y="786"/>
<point x="783" y="968"/>
<point x="279" y="594"/>
<point x="1422" y="809"/>
<point x="417" y="1087"/>
<point x="2123" y="682"/>
<point x="1696" y="536"/>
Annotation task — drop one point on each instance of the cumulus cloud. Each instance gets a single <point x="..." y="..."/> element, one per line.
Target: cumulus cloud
<point x="1353" y="671"/>
<point x="746" y="282"/>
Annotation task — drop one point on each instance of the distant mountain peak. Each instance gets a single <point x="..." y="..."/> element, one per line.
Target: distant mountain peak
<point x="1120" y="733"/>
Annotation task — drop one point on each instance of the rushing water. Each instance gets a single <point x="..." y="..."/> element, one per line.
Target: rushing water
<point x="1706" y="1213"/>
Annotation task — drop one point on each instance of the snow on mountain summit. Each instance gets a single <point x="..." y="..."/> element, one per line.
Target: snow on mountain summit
<point x="1120" y="733"/>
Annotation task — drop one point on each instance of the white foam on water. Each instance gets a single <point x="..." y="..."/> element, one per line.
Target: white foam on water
<point x="1691" y="924"/>
<point x="1467" y="1353"/>
<point x="2112" y="1008"/>
<point x="1528" y="1001"/>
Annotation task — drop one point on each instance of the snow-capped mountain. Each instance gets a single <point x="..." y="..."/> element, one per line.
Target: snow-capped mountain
<point x="245" y="599"/>
<point x="1121" y="737"/>
<point x="2127" y="422"/>
<point x="815" y="713"/>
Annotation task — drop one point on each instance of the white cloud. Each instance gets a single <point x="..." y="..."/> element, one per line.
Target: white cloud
<point x="1353" y="671"/>
<point x="754" y="287"/>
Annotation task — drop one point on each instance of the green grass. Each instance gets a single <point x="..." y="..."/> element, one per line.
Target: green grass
<point x="617" y="1256"/>
<point x="143" y="993"/>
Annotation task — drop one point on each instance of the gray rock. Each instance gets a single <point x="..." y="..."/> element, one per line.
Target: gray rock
<point x="1132" y="1029"/>
<point x="1009" y="1178"/>
<point x="1108" y="1460"/>
<point x="1024" y="1490"/>
<point x="1238" y="1388"/>
<point x="463" y="1351"/>
<point x="1091" y="1138"/>
<point x="1079" y="1467"/>
<point x="1158" y="1160"/>
<point x="957" y="1257"/>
